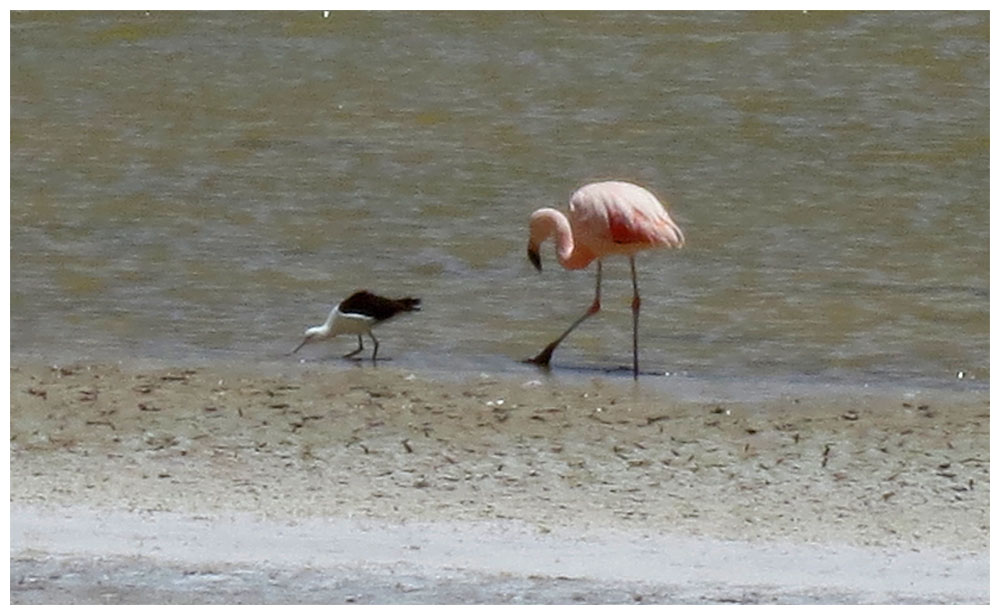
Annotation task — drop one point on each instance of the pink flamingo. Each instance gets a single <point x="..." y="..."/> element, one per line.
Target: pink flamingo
<point x="605" y="218"/>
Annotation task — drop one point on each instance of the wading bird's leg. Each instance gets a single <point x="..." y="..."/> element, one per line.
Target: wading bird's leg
<point x="356" y="350"/>
<point x="545" y="355"/>
<point x="636" y="302"/>
<point x="374" y="352"/>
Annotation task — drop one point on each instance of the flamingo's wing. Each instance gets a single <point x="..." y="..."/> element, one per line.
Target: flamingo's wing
<point x="623" y="215"/>
<point x="630" y="225"/>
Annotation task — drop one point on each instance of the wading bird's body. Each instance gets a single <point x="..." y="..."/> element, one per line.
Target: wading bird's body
<point x="605" y="218"/>
<point x="357" y="315"/>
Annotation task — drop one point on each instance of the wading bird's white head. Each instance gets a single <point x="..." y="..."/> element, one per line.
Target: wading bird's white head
<point x="313" y="334"/>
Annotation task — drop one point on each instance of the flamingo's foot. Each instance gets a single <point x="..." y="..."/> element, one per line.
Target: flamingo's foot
<point x="543" y="358"/>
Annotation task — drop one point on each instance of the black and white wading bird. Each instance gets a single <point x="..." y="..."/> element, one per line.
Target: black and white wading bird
<point x="356" y="315"/>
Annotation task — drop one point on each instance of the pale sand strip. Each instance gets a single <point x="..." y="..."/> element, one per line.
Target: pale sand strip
<point x="373" y="561"/>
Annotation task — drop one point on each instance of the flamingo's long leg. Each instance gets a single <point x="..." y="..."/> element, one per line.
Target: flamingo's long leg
<point x="545" y="355"/>
<point x="636" y="302"/>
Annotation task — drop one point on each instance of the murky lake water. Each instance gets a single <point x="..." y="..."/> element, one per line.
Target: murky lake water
<point x="203" y="186"/>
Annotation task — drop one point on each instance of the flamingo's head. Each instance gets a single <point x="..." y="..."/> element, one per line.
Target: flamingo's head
<point x="544" y="223"/>
<point x="534" y="256"/>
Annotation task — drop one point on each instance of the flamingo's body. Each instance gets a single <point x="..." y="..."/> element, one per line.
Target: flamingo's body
<point x="358" y="314"/>
<point x="605" y="218"/>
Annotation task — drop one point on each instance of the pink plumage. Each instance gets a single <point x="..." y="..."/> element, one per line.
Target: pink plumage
<point x="605" y="218"/>
<point x="621" y="218"/>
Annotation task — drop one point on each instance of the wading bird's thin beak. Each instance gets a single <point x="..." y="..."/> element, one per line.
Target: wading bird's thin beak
<point x="535" y="259"/>
<point x="300" y="346"/>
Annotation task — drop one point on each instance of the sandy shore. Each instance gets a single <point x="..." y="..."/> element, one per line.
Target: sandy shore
<point x="596" y="470"/>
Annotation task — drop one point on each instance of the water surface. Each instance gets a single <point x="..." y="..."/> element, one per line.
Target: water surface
<point x="202" y="186"/>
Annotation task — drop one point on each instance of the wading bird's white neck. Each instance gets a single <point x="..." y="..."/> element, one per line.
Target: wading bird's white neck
<point x="323" y="331"/>
<point x="329" y="319"/>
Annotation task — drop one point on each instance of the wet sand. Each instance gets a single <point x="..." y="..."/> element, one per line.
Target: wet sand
<point x="847" y="497"/>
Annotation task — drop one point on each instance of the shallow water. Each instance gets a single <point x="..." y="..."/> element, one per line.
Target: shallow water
<point x="203" y="186"/>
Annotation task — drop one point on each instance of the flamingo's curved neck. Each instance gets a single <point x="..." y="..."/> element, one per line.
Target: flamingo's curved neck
<point x="548" y="222"/>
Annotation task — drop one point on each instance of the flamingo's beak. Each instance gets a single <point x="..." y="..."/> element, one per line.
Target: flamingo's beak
<point x="533" y="256"/>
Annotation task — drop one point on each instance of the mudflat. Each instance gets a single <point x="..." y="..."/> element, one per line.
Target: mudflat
<point x="548" y="465"/>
